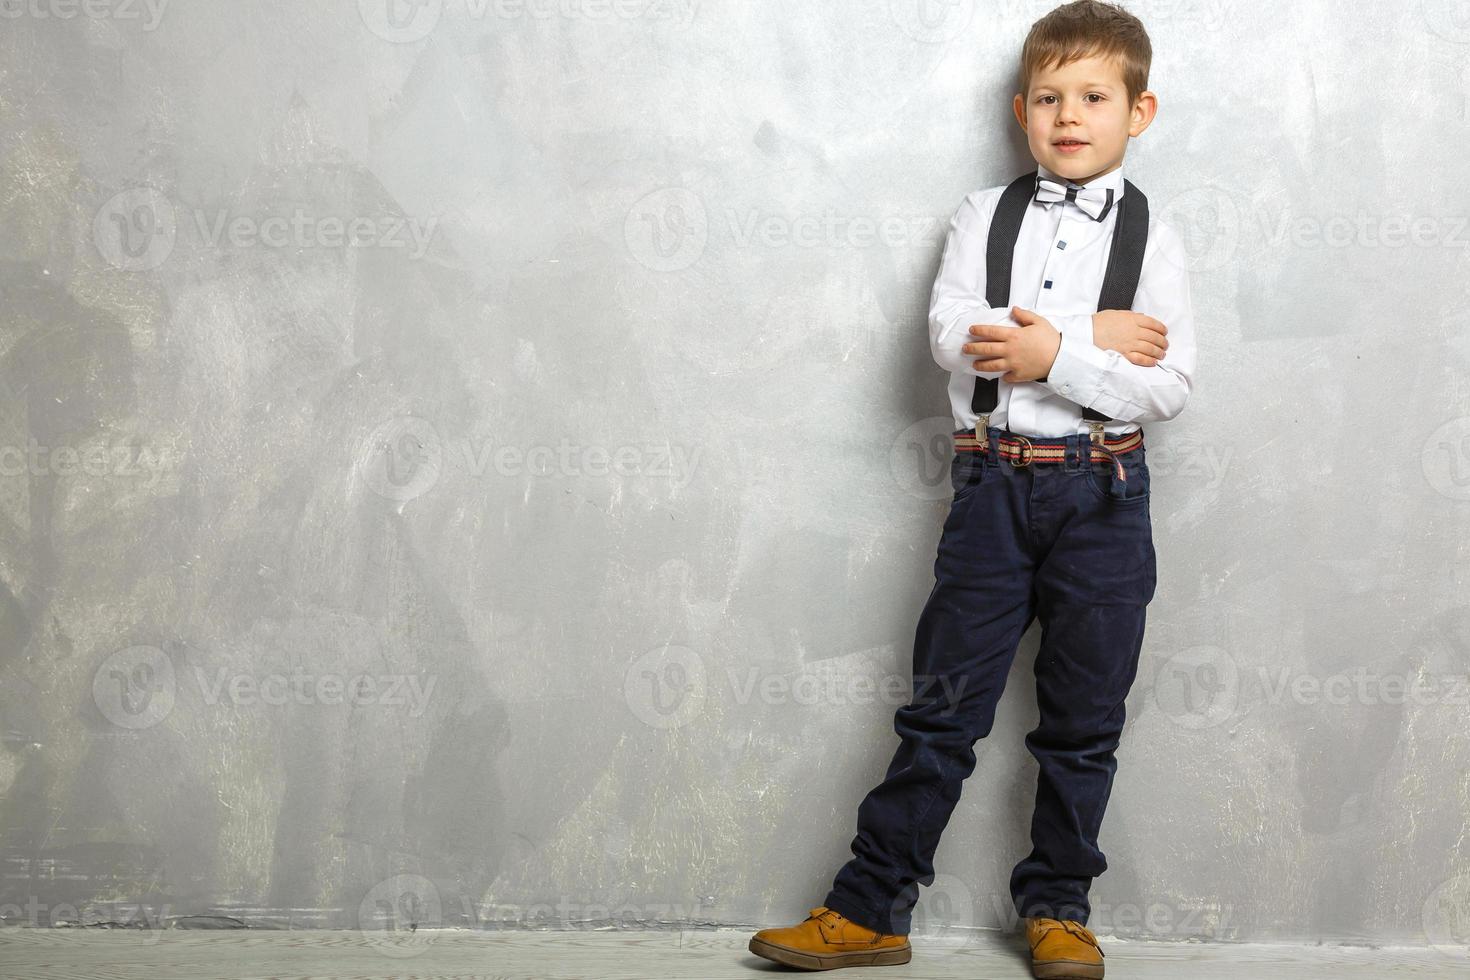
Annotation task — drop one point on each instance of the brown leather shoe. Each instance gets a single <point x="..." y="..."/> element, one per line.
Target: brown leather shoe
<point x="1063" y="948"/>
<point x="828" y="940"/>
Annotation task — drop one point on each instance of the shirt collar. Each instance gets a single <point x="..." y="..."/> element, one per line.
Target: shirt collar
<point x="1114" y="179"/>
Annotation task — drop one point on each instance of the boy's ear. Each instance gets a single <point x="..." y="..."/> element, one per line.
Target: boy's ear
<point x="1143" y="113"/>
<point x="1018" y="106"/>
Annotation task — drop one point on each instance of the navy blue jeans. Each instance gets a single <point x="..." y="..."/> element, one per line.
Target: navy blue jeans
<point x="1045" y="540"/>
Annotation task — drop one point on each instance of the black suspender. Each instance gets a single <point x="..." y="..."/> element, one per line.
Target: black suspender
<point x="1120" y="282"/>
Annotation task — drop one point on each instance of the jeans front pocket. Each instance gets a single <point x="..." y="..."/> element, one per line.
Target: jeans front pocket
<point x="966" y="471"/>
<point x="1100" y="476"/>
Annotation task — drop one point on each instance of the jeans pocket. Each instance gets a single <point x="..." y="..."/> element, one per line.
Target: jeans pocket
<point x="966" y="470"/>
<point x="1100" y="476"/>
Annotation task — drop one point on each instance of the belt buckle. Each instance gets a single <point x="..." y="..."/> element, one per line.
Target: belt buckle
<point x="1027" y="454"/>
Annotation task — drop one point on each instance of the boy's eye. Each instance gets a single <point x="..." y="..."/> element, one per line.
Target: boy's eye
<point x="1088" y="96"/>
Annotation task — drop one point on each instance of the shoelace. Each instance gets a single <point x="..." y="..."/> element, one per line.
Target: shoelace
<point x="825" y="915"/>
<point x="1080" y="932"/>
<point x="1075" y="929"/>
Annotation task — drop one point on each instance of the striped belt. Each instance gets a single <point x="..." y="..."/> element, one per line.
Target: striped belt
<point x="1023" y="451"/>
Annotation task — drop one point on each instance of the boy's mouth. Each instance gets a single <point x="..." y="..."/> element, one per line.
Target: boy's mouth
<point x="1068" y="145"/>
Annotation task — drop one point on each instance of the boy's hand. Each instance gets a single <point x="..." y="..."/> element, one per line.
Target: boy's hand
<point x="1137" y="337"/>
<point x="1025" y="353"/>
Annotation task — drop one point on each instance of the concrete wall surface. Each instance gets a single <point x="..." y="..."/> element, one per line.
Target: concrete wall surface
<point x="473" y="462"/>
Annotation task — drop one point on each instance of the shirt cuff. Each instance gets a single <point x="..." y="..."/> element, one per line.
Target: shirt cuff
<point x="1079" y="369"/>
<point x="1077" y="324"/>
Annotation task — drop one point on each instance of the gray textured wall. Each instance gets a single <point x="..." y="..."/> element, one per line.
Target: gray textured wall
<point x="552" y="551"/>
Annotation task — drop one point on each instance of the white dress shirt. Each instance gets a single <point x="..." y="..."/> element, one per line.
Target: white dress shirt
<point x="1060" y="259"/>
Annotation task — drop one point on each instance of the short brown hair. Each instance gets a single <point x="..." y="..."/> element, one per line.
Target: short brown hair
<point x="1084" y="28"/>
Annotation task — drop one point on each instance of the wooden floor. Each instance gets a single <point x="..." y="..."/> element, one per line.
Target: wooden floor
<point x="123" y="954"/>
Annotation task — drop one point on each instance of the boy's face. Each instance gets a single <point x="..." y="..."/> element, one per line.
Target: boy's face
<point x="1084" y="101"/>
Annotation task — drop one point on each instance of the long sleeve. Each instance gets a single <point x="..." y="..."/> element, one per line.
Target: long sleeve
<point x="958" y="299"/>
<point x="1107" y="381"/>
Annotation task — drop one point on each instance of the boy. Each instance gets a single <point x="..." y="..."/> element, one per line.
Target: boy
<point x="1050" y="515"/>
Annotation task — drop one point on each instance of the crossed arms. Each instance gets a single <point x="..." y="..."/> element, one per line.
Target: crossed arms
<point x="1131" y="365"/>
